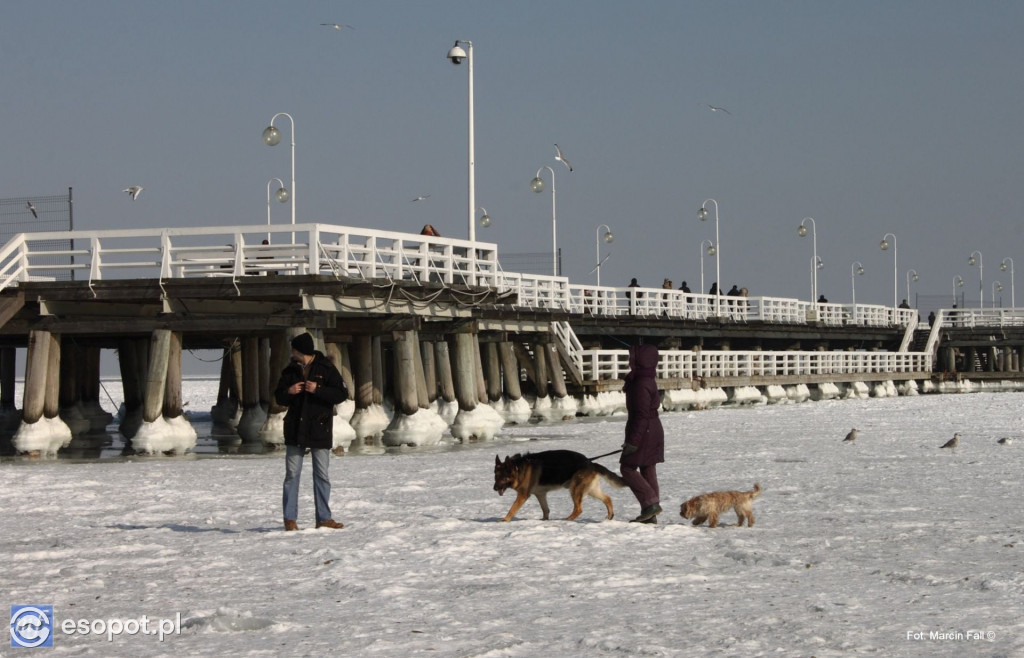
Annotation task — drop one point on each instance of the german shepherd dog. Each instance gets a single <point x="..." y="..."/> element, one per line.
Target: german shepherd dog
<point x="540" y="472"/>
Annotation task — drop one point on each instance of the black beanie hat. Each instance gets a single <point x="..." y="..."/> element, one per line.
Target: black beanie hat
<point x="303" y="344"/>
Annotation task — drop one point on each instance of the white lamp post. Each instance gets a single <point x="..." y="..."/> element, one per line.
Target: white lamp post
<point x="702" y="214"/>
<point x="608" y="239"/>
<point x="1002" y="266"/>
<point x="958" y="282"/>
<point x="884" y="244"/>
<point x="909" y="278"/>
<point x="981" y="276"/>
<point x="456" y="55"/>
<point x="272" y="137"/>
<point x="537" y="185"/>
<point x="802" y="231"/>
<point x="281" y="195"/>
<point x="996" y="287"/>
<point x="856" y="269"/>
<point x="709" y="246"/>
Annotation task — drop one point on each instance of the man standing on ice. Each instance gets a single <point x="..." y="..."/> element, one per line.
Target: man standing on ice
<point x="310" y="386"/>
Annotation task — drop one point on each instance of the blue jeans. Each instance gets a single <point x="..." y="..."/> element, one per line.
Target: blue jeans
<point x="321" y="482"/>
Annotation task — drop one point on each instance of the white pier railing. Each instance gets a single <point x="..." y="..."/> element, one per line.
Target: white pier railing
<point x="345" y="251"/>
<point x="688" y="364"/>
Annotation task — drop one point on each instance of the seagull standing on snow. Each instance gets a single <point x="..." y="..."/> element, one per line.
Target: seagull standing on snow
<point x="420" y="198"/>
<point x="32" y="209"/>
<point x="952" y="443"/>
<point x="852" y="435"/>
<point x="561" y="158"/>
<point x="1005" y="441"/>
<point x="134" y="191"/>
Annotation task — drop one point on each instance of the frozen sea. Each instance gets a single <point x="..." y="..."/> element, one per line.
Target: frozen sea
<point x="887" y="546"/>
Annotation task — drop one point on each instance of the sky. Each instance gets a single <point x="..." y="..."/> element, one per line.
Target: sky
<point x="862" y="548"/>
<point x="870" y="117"/>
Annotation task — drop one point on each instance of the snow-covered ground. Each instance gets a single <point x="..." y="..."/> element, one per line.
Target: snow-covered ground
<point x="885" y="546"/>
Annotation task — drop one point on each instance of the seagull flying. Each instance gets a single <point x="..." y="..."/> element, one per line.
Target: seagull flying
<point x="337" y="26"/>
<point x="32" y="209"/>
<point x="714" y="108"/>
<point x="134" y="191"/>
<point x="561" y="158"/>
<point x="420" y="198"/>
<point x="952" y="443"/>
<point x="852" y="435"/>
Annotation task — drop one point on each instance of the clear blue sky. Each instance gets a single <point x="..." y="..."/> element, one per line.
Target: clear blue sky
<point x="870" y="117"/>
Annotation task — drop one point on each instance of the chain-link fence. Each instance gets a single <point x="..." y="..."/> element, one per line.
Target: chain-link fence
<point x="35" y="214"/>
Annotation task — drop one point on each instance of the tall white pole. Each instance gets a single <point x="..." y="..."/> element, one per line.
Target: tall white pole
<point x="855" y="268"/>
<point x="981" y="277"/>
<point x="537" y="185"/>
<point x="472" y="151"/>
<point x="281" y="183"/>
<point x="272" y="140"/>
<point x="895" y="272"/>
<point x="718" y="254"/>
<point x="702" y="248"/>
<point x="1002" y="266"/>
<point x="597" y="247"/>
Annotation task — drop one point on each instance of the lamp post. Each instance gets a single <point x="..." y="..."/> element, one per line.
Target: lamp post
<point x="884" y="244"/>
<point x="1002" y="266"/>
<point x="981" y="276"/>
<point x="456" y="55"/>
<point x="281" y="195"/>
<point x="608" y="239"/>
<point x="856" y="269"/>
<point x="710" y="247"/>
<point x="272" y="137"/>
<point x="802" y="232"/>
<point x="537" y="185"/>
<point x="702" y="214"/>
<point x="996" y="287"/>
<point x="958" y="282"/>
<point x="915" y="279"/>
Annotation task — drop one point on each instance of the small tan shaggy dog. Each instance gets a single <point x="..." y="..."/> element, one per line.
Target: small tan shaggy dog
<point x="707" y="507"/>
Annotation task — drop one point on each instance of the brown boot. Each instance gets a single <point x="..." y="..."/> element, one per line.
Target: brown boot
<point x="290" y="525"/>
<point x="330" y="523"/>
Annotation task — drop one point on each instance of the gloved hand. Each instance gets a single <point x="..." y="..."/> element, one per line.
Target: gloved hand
<point x="628" y="449"/>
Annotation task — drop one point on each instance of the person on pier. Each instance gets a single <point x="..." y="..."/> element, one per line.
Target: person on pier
<point x="309" y="386"/>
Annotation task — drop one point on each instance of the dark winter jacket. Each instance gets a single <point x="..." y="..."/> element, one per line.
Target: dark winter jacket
<point x="310" y="418"/>
<point x="643" y="427"/>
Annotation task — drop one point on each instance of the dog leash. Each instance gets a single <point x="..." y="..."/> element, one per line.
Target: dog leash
<point x="607" y="454"/>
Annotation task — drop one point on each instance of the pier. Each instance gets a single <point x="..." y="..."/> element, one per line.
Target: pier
<point x="433" y="327"/>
